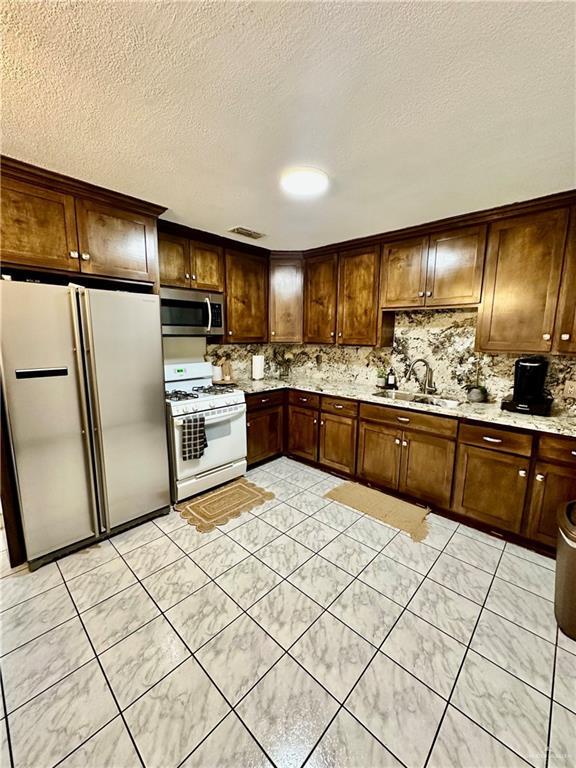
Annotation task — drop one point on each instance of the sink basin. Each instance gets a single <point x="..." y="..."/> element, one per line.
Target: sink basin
<point x="417" y="397"/>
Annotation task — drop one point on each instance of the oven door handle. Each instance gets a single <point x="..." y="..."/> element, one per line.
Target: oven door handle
<point x="209" y="328"/>
<point x="208" y="420"/>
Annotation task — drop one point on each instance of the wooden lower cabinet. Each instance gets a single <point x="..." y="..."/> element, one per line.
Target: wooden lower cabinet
<point x="554" y="485"/>
<point x="379" y="449"/>
<point x="426" y="467"/>
<point x="303" y="432"/>
<point x="491" y="486"/>
<point x="337" y="444"/>
<point x="265" y="429"/>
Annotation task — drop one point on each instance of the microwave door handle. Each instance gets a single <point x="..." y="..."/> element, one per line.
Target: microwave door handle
<point x="207" y="300"/>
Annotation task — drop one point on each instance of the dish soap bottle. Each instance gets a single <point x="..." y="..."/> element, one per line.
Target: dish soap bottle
<point x="391" y="380"/>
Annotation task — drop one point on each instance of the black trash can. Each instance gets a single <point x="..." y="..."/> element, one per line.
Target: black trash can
<point x="565" y="595"/>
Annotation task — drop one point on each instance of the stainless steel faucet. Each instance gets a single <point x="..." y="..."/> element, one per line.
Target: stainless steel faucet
<point x="427" y="383"/>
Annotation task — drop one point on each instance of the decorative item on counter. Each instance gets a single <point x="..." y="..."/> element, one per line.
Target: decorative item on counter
<point x="391" y="382"/>
<point x="227" y="371"/>
<point x="257" y="367"/>
<point x="381" y="377"/>
<point x="216" y="373"/>
<point x="475" y="392"/>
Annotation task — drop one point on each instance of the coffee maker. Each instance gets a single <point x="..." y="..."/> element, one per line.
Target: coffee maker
<point x="530" y="394"/>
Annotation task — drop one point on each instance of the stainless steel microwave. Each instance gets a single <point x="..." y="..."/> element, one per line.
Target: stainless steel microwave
<point x="191" y="313"/>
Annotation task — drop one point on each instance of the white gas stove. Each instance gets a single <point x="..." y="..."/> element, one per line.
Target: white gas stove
<point x="189" y="393"/>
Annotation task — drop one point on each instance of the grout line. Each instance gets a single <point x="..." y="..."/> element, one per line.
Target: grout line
<point x="6" y="721"/>
<point x="549" y="733"/>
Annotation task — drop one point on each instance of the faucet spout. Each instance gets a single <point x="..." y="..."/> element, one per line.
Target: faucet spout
<point x="427" y="383"/>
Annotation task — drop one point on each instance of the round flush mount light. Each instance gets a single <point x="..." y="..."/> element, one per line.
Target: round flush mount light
<point x="304" y="182"/>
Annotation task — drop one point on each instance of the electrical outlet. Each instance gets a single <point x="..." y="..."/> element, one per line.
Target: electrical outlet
<point x="570" y="388"/>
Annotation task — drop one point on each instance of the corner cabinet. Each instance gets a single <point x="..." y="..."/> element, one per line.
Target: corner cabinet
<point x="246" y="297"/>
<point x="565" y="331"/>
<point x="320" y="294"/>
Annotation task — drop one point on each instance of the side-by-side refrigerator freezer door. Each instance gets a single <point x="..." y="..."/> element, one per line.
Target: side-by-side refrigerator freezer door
<point x="45" y="396"/>
<point x="124" y="363"/>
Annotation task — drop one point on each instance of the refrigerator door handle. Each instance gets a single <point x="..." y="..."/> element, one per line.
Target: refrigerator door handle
<point x="96" y="421"/>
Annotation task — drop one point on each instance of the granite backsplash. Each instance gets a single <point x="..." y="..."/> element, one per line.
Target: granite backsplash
<point x="445" y="338"/>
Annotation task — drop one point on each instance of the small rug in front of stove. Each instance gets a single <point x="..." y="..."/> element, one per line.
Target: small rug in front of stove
<point x="219" y="506"/>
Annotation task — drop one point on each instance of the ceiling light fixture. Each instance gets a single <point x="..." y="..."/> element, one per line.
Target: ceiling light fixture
<point x="304" y="182"/>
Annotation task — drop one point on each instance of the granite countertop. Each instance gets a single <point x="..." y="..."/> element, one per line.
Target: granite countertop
<point x="559" y="424"/>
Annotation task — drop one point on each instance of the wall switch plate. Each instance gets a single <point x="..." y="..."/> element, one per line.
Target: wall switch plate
<point x="570" y="388"/>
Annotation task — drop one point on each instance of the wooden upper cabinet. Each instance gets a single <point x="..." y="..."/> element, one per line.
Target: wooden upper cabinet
<point x="174" y="261"/>
<point x="286" y="299"/>
<point x="521" y="281"/>
<point x="207" y="267"/>
<point x="565" y="332"/>
<point x="455" y="266"/>
<point x="246" y="297"/>
<point x="358" y="296"/>
<point x="320" y="290"/>
<point x="404" y="273"/>
<point x="115" y="242"/>
<point x="38" y="227"/>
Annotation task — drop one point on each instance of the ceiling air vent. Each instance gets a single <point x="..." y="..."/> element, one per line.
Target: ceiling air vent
<point x="245" y="232"/>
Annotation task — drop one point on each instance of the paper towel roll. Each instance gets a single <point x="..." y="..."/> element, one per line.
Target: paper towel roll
<point x="257" y="367"/>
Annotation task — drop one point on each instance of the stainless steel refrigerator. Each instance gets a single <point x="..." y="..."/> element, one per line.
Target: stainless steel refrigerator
<point x="83" y="382"/>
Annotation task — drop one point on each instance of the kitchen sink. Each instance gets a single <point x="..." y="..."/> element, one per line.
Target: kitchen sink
<point x="417" y="397"/>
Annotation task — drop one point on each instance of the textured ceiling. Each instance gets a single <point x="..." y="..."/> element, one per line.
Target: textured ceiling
<point x="416" y="110"/>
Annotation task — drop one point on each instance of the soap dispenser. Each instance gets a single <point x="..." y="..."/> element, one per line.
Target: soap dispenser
<point x="391" y="380"/>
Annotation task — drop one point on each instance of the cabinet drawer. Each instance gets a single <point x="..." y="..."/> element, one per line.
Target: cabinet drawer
<point x="557" y="449"/>
<point x="338" y="405"/>
<point x="304" y="399"/>
<point x="404" y="419"/>
<point x="264" y="399"/>
<point x="496" y="439"/>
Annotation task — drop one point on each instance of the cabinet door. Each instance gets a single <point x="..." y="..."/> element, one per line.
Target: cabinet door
<point x="358" y="296"/>
<point x="337" y="444"/>
<point x="207" y="265"/>
<point x="320" y="284"/>
<point x="286" y="300"/>
<point x="553" y="486"/>
<point x="455" y="267"/>
<point x="116" y="243"/>
<point x="38" y="227"/>
<point x="303" y="432"/>
<point x="246" y="297"/>
<point x="379" y="449"/>
<point x="565" y="334"/>
<point x="174" y="261"/>
<point x="404" y="273"/>
<point x="264" y="430"/>
<point x="521" y="281"/>
<point x="491" y="486"/>
<point x="427" y="467"/>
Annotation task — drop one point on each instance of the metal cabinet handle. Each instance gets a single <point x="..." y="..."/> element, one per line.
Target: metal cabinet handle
<point x="247" y="423"/>
<point x="428" y="293"/>
<point x="420" y="294"/>
<point x="573" y="453"/>
<point x="540" y="478"/>
<point x="193" y="277"/>
<point x="264" y="399"/>
<point x="331" y="333"/>
<point x="565" y="336"/>
<point x="522" y="472"/>
<point x="73" y="254"/>
<point x="321" y="423"/>
<point x="491" y="439"/>
<point x="546" y="336"/>
<point x="403" y="419"/>
<point x="315" y="421"/>
<point x="340" y="334"/>
<point x="404" y="443"/>
<point x="272" y="333"/>
<point x="229" y="333"/>
<point x="85" y="256"/>
<point x="397" y="441"/>
<point x="339" y="407"/>
<point x="187" y="276"/>
<point x="303" y="399"/>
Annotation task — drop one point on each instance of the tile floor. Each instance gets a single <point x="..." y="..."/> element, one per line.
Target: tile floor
<point x="305" y="633"/>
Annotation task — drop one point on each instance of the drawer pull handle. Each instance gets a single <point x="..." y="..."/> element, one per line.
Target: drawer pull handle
<point x="522" y="472"/>
<point x="264" y="399"/>
<point x="491" y="439"/>
<point x="540" y="478"/>
<point x="339" y="407"/>
<point x="573" y="453"/>
<point x="303" y="399"/>
<point x="403" y="419"/>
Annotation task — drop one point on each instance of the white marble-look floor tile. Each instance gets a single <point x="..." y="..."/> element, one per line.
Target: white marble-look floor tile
<point x="348" y="743"/>
<point x="199" y="617"/>
<point x="86" y="559"/>
<point x="348" y="554"/>
<point x="283" y="489"/>
<point x="428" y="653"/>
<point x="320" y="580"/>
<point x="284" y="555"/>
<point x="151" y="557"/>
<point x="248" y="581"/>
<point x="136" y="663"/>
<point x="228" y="746"/>
<point x="36" y="666"/>
<point x="334" y="654"/>
<point x="401" y="711"/>
<point x="259" y="476"/>
<point x="4" y="748"/>
<point x="35" y="616"/>
<point x="287" y="712"/>
<point x="485" y="693"/>
<point x="474" y="552"/>
<point x="366" y="611"/>
<point x="393" y="579"/>
<point x="238" y="657"/>
<point x="372" y="533"/>
<point x="118" y="616"/>
<point x="532" y="557"/>
<point x="100" y="583"/>
<point x="5" y="566"/>
<point x="304" y="479"/>
<point x="136" y="537"/>
<point x="517" y="650"/>
<point x="528" y="575"/>
<point x="413" y="554"/>
<point x="237" y="522"/>
<point x="219" y="555"/>
<point x="50" y="726"/>
<point x="460" y="742"/>
<point x="312" y="533"/>
<point x="438" y="535"/>
<point x="283" y="516"/>
<point x="279" y="470"/>
<point x="337" y="516"/>
<point x="255" y="534"/>
<point x="486" y="538"/>
<point x="562" y="738"/>
<point x="446" y="610"/>
<point x="285" y="613"/>
<point x="111" y="746"/>
<point x="175" y="582"/>
<point x="170" y="522"/>
<point x="189" y="539"/>
<point x="326" y="485"/>
<point x="171" y="719"/>
<point x="566" y="642"/>
<point x="565" y="680"/>
<point x="462" y="577"/>
<point x="24" y="584"/>
<point x="522" y="607"/>
<point x="433" y="517"/>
